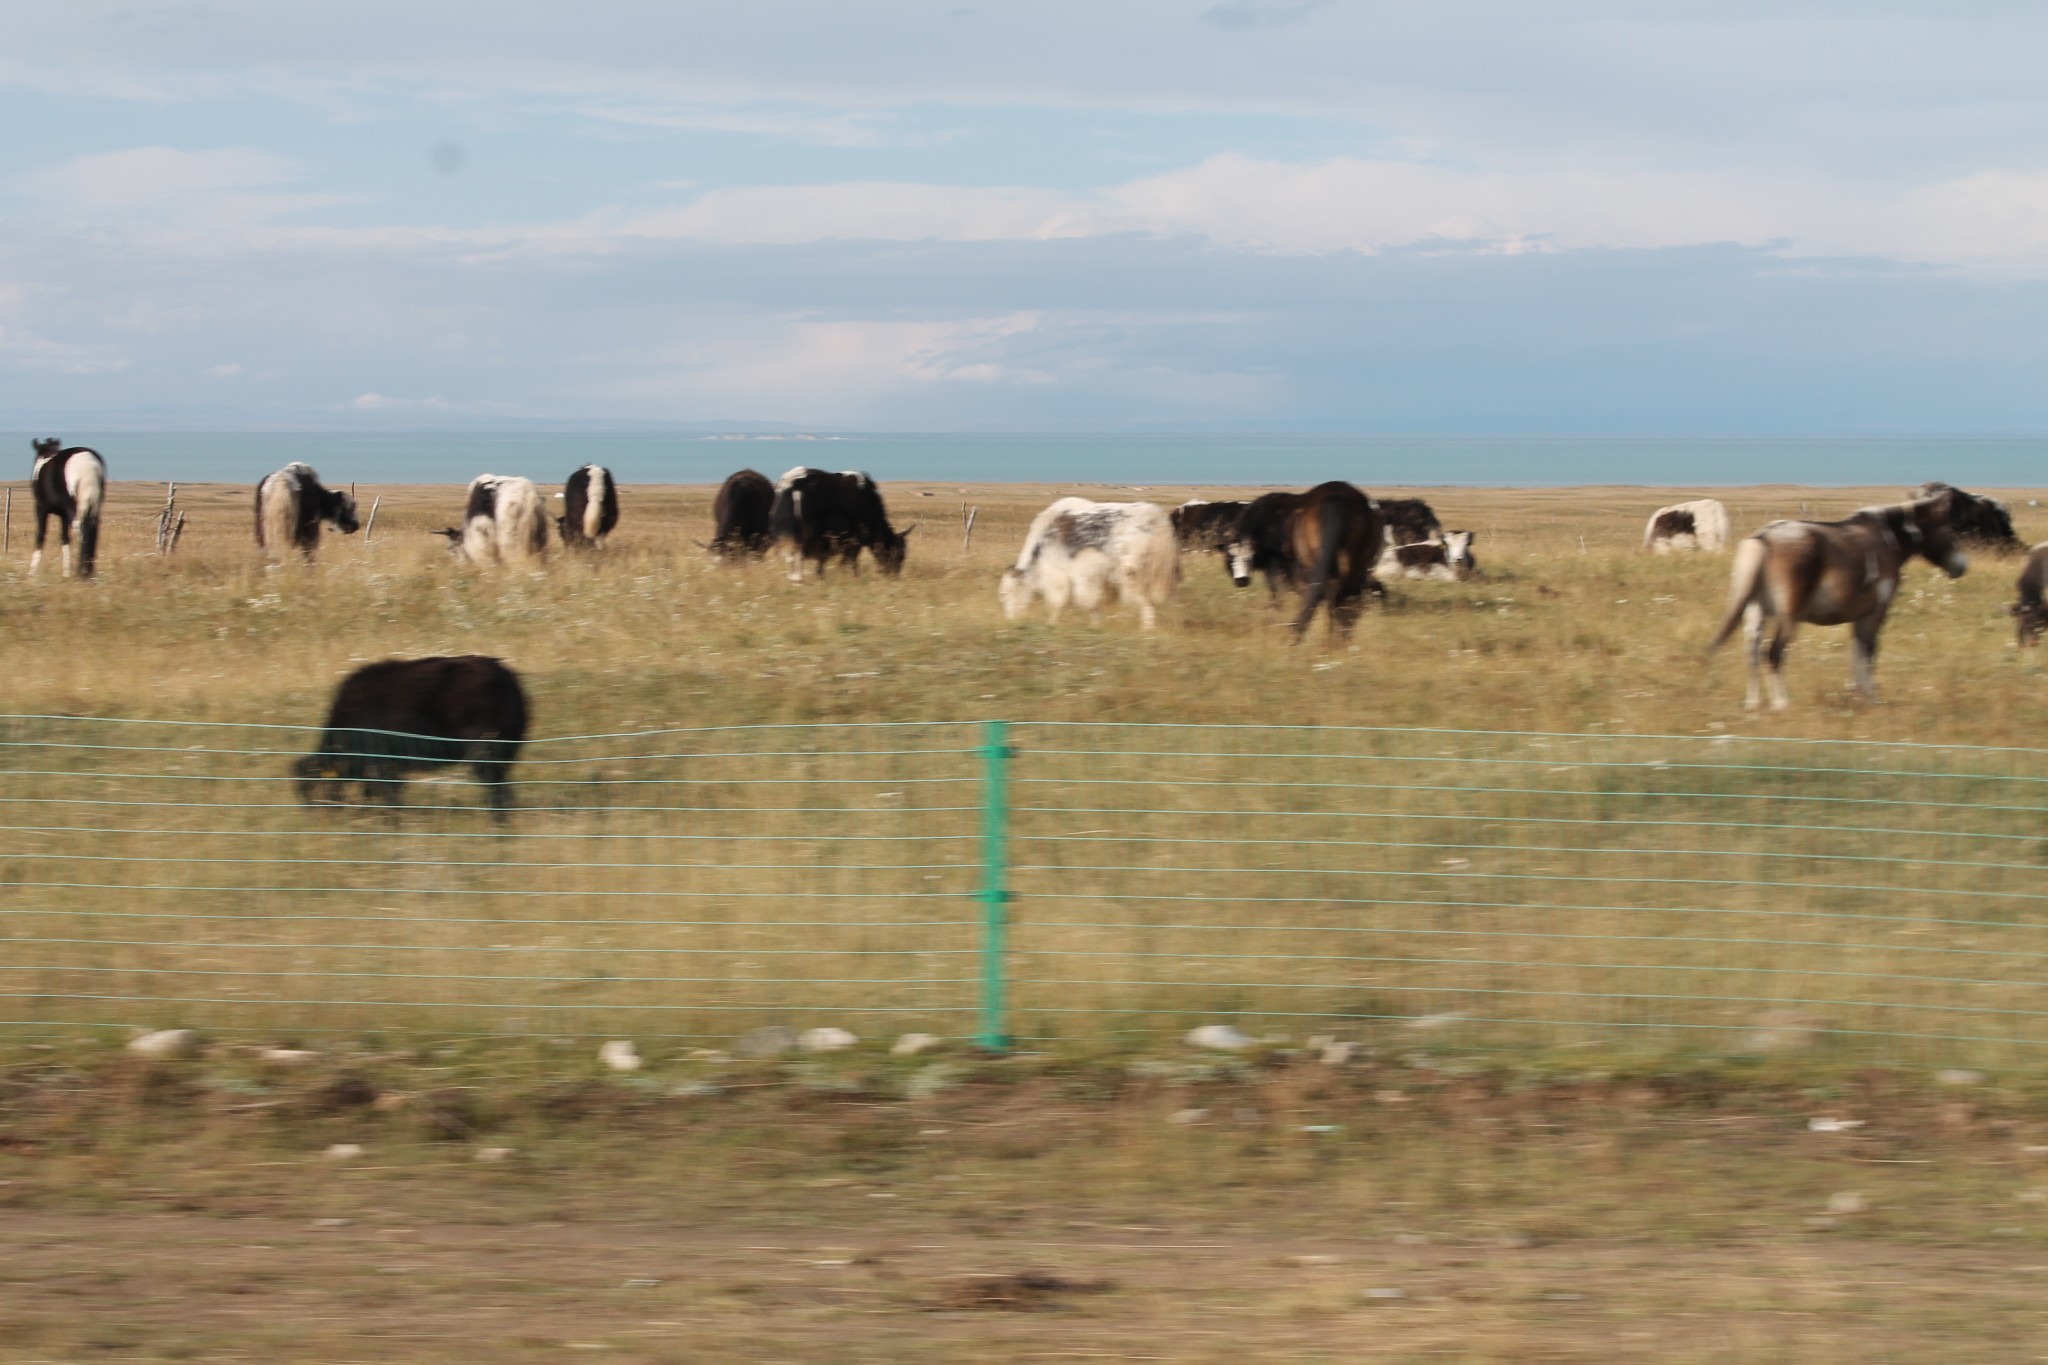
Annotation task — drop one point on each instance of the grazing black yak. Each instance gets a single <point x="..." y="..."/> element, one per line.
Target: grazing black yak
<point x="404" y="715"/>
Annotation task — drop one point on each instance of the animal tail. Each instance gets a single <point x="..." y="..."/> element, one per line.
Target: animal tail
<point x="88" y="478"/>
<point x="1331" y="526"/>
<point x="1742" y="587"/>
<point x="594" y="496"/>
<point x="277" y="512"/>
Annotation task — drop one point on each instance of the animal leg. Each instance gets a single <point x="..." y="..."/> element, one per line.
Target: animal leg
<point x="1863" y="656"/>
<point x="496" y="775"/>
<point x="1147" y="617"/>
<point x="1781" y="640"/>
<point x="795" y="559"/>
<point x="1753" y="646"/>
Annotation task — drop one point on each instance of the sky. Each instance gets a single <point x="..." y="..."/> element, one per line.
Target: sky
<point x="1408" y="217"/>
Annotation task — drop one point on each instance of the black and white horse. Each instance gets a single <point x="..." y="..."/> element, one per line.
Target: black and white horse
<point x="590" y="506"/>
<point x="291" y="504"/>
<point x="70" y="485"/>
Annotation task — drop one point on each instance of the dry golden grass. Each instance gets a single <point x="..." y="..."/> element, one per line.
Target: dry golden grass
<point x="1165" y="876"/>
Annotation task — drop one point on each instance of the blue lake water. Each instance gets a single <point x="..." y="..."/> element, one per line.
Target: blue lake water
<point x="649" y="457"/>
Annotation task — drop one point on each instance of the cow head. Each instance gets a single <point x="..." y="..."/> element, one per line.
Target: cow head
<point x="318" y="775"/>
<point x="889" y="551"/>
<point x="1238" y="552"/>
<point x="1015" y="593"/>
<point x="342" y="512"/>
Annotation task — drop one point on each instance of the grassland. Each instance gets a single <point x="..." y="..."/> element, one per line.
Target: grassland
<point x="1572" y="886"/>
<point x="1632" y="1174"/>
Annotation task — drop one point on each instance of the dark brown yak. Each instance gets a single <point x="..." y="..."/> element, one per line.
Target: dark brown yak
<point x="2030" y="615"/>
<point x="1832" y="573"/>
<point x="1332" y="537"/>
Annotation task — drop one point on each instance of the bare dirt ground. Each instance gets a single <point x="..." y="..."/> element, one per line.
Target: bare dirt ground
<point x="188" y="1286"/>
<point x="1032" y="1211"/>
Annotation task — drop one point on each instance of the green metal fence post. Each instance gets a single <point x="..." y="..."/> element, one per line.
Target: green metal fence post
<point x="995" y="890"/>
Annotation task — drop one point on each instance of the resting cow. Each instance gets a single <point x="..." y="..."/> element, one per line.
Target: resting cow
<point x="70" y="484"/>
<point x="1409" y="521"/>
<point x="1701" y="524"/>
<point x="819" y="514"/>
<point x="503" y="523"/>
<point x="404" y="715"/>
<point x="1449" y="559"/>
<point x="291" y="504"/>
<point x="1083" y="552"/>
<point x="590" y="507"/>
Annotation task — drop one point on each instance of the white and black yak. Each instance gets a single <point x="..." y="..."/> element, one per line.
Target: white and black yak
<point x="405" y="715"/>
<point x="819" y="514"/>
<point x="291" y="504"/>
<point x="70" y="484"/>
<point x="504" y="522"/>
<point x="590" y="507"/>
<point x="1086" y="552"/>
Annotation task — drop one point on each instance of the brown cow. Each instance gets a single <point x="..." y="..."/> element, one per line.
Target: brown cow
<point x="2030" y="616"/>
<point x="1330" y="537"/>
<point x="1832" y="573"/>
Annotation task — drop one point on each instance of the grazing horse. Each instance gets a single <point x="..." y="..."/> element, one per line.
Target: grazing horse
<point x="291" y="504"/>
<point x="1832" y="573"/>
<point x="1331" y="536"/>
<point x="70" y="484"/>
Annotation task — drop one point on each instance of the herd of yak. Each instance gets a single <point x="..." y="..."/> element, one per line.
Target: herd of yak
<point x="1332" y="544"/>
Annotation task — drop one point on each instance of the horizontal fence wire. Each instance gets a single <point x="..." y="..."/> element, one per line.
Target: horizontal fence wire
<point x="687" y="883"/>
<point x="1698" y="894"/>
<point x="1424" y="889"/>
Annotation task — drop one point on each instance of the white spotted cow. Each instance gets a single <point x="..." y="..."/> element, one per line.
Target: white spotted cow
<point x="505" y="522"/>
<point x="1447" y="560"/>
<point x="1086" y="552"/>
<point x="1698" y="525"/>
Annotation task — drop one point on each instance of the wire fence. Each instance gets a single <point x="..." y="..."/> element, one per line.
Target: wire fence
<point x="1483" y="890"/>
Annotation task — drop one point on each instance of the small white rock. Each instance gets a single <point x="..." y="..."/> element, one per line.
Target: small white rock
<point x="344" y="1151"/>
<point x="288" y="1056"/>
<point x="910" y="1044"/>
<point x="1337" y="1054"/>
<point x="1956" y="1075"/>
<point x="1846" y="1201"/>
<point x="620" y="1055"/>
<point x="1828" y="1125"/>
<point x="166" y="1044"/>
<point x="1186" y="1117"/>
<point x="825" y="1039"/>
<point x="1222" y="1037"/>
<point x="496" y="1153"/>
<point x="1386" y="1293"/>
<point x="1424" y="1023"/>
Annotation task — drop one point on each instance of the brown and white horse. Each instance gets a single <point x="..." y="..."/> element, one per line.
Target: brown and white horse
<point x="1832" y="573"/>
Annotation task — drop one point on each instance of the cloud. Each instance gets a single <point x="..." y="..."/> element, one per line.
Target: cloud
<point x="1256" y="14"/>
<point x="230" y="370"/>
<point x="225" y="185"/>
<point x="20" y="350"/>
